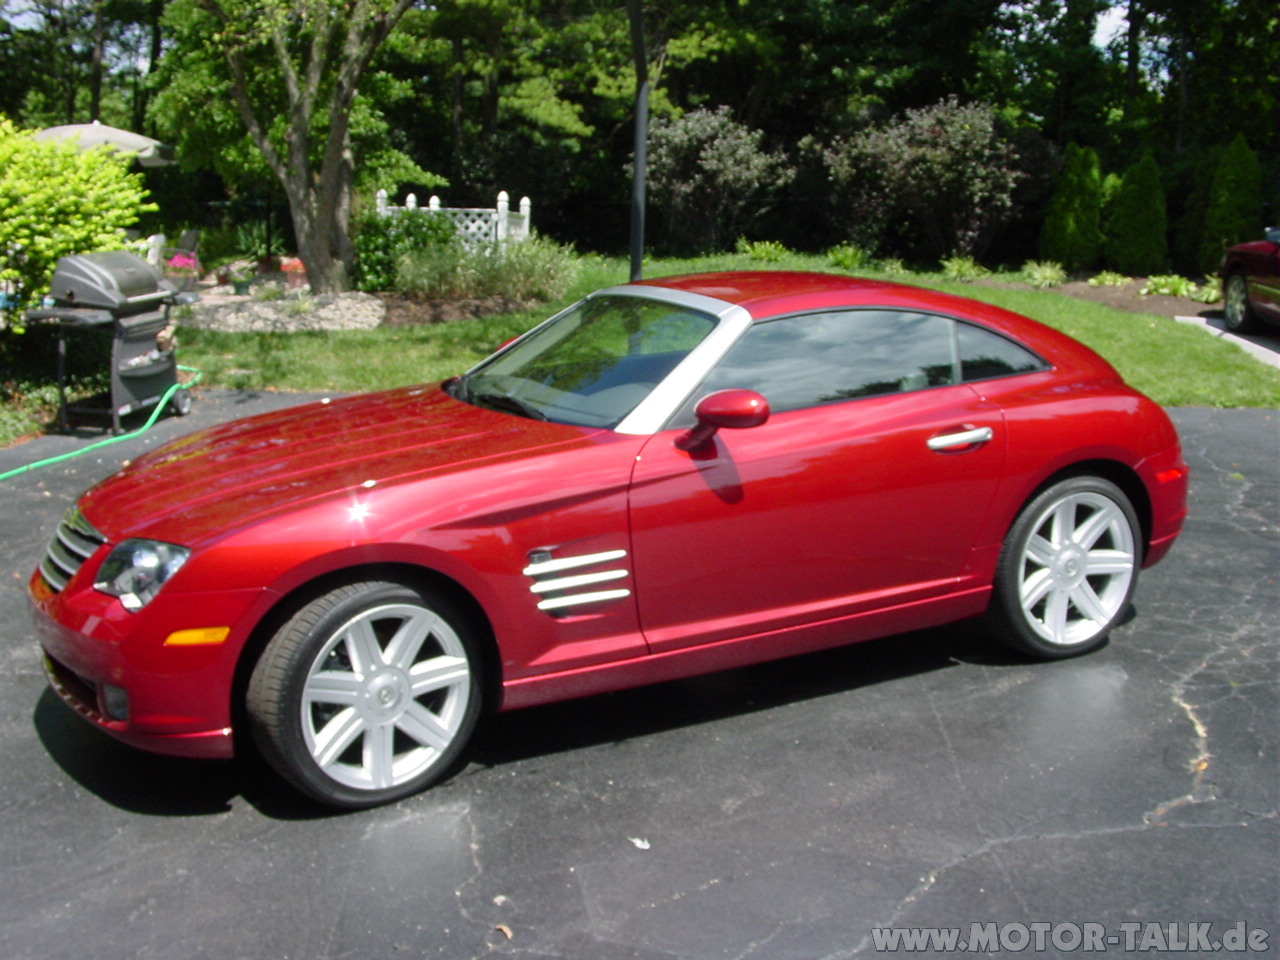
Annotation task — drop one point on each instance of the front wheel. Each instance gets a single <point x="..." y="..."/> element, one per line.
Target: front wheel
<point x="367" y="694"/>
<point x="1237" y="314"/>
<point x="1067" y="570"/>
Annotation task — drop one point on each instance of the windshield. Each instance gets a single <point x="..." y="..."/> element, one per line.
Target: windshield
<point x="592" y="365"/>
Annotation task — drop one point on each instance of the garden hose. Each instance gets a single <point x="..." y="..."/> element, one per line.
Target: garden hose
<point x="155" y="415"/>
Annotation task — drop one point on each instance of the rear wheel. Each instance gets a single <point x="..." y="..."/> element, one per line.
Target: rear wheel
<point x="1237" y="313"/>
<point x="367" y="694"/>
<point x="1068" y="569"/>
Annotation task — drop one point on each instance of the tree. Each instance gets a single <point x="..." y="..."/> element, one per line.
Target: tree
<point x="1042" y="64"/>
<point x="66" y="61"/>
<point x="58" y="201"/>
<point x="292" y="71"/>
<point x="1072" y="231"/>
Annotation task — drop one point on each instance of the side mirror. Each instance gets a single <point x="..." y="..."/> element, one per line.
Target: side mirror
<point x="733" y="409"/>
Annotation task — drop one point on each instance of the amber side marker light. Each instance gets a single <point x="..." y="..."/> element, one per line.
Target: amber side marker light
<point x="200" y="637"/>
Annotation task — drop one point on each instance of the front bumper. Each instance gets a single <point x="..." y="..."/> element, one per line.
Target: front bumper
<point x="116" y="671"/>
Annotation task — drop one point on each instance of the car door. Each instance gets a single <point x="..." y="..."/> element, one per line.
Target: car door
<point x="863" y="491"/>
<point x="1264" y="279"/>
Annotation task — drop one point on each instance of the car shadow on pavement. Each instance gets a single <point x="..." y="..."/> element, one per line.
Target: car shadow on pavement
<point x="643" y="711"/>
<point x="128" y="778"/>
<point x="155" y="785"/>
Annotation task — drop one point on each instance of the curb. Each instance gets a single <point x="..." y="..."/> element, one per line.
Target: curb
<point x="1264" y="347"/>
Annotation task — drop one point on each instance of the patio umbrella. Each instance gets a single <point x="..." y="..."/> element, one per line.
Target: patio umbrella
<point x="148" y="152"/>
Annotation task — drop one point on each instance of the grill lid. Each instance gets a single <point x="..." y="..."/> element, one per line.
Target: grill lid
<point x="113" y="279"/>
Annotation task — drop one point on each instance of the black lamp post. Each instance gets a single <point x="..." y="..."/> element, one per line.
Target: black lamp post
<point x="635" y="10"/>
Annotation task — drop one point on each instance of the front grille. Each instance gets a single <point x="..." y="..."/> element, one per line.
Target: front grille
<point x="72" y="545"/>
<point x="78" y="692"/>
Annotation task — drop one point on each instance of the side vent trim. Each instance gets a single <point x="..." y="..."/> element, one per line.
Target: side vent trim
<point x="563" y="592"/>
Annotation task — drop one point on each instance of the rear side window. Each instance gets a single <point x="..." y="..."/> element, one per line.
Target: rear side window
<point x="984" y="355"/>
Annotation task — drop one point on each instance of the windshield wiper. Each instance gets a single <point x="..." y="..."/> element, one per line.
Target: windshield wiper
<point x="507" y="403"/>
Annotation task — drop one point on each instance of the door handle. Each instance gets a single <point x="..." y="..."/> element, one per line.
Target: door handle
<point x="970" y="436"/>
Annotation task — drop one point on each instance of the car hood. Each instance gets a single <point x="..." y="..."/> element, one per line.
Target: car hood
<point x="223" y="478"/>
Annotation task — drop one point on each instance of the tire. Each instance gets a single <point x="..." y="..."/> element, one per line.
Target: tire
<point x="1238" y="315"/>
<point x="367" y="694"/>
<point x="180" y="403"/>
<point x="1068" y="569"/>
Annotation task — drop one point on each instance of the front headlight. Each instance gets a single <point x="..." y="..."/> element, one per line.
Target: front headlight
<point x="136" y="570"/>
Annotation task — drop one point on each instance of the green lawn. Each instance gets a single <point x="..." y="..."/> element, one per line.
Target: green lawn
<point x="1174" y="363"/>
<point x="1177" y="364"/>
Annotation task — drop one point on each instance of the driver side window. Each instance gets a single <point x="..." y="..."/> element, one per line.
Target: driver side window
<point x="811" y="359"/>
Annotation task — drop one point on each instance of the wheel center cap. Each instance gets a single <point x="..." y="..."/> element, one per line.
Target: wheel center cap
<point x="384" y="696"/>
<point x="1069" y="566"/>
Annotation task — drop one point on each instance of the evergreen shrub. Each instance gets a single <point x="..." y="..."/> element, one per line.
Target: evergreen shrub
<point x="1235" y="199"/>
<point x="1137" y="244"/>
<point x="1072" y="230"/>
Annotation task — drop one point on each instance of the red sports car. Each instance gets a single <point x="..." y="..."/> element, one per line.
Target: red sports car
<point x="667" y="478"/>
<point x="1251" y="283"/>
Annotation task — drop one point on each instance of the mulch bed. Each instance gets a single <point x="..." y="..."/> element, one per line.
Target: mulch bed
<point x="1129" y="297"/>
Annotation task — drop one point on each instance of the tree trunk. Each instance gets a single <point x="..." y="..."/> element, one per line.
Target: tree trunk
<point x="335" y="58"/>
<point x="95" y="60"/>
<point x="1137" y="17"/>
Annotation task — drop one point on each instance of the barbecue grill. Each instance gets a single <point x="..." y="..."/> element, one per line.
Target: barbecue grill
<point x="91" y="291"/>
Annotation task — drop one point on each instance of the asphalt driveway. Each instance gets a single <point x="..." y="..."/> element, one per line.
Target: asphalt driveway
<point x="793" y="810"/>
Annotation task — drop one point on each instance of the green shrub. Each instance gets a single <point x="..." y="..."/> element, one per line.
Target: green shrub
<point x="963" y="269"/>
<point x="381" y="242"/>
<point x="1108" y="278"/>
<point x="1235" y="199"/>
<point x="766" y="251"/>
<point x="1072" y="230"/>
<point x="1043" y="274"/>
<point x="268" y="292"/>
<point x="1168" y="285"/>
<point x="849" y="257"/>
<point x="949" y="170"/>
<point x="1208" y="292"/>
<point x="299" y="305"/>
<point x="58" y="201"/>
<point x="534" y="269"/>
<point x="254" y="241"/>
<point x="1137" y="244"/>
<point x="709" y="173"/>
<point x="1171" y="285"/>
<point x="444" y="272"/>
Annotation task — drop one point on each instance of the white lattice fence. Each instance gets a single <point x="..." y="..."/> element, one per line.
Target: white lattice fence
<point x="475" y="225"/>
